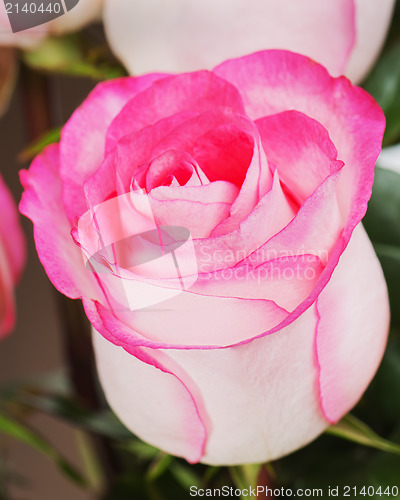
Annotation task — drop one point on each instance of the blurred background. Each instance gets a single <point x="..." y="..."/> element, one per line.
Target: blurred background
<point x="36" y="346"/>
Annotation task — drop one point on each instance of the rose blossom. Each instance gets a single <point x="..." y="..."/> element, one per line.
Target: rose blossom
<point x="12" y="258"/>
<point x="83" y="13"/>
<point x="184" y="35"/>
<point x="279" y="324"/>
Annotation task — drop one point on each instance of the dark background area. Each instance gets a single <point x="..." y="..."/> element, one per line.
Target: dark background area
<point x="35" y="346"/>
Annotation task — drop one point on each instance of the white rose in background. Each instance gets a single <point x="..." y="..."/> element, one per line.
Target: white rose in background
<point x="390" y="158"/>
<point x="184" y="35"/>
<point x="83" y="13"/>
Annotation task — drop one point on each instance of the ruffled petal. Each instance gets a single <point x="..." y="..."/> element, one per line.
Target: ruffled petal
<point x="197" y="92"/>
<point x="83" y="137"/>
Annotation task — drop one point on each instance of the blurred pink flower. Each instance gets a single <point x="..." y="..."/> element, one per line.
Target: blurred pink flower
<point x="12" y="257"/>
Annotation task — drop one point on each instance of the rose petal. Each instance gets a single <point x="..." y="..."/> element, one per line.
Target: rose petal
<point x="301" y="150"/>
<point x="197" y="92"/>
<point x="83" y="137"/>
<point x="159" y="395"/>
<point x="271" y="215"/>
<point x="41" y="202"/>
<point x="306" y="233"/>
<point x="287" y="280"/>
<point x="275" y="407"/>
<point x="200" y="218"/>
<point x="354" y="316"/>
<point x="354" y="120"/>
<point x="190" y="319"/>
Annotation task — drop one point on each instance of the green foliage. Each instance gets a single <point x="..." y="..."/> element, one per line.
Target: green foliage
<point x="382" y="223"/>
<point x="40" y="144"/>
<point x="354" y="430"/>
<point x="71" y="55"/>
<point x="383" y="83"/>
<point x="21" y="432"/>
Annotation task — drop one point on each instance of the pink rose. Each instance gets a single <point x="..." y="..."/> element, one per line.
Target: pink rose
<point x="277" y="315"/>
<point x="184" y="35"/>
<point x="84" y="12"/>
<point x="12" y="258"/>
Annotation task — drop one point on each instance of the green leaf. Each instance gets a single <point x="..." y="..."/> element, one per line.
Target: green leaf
<point x="382" y="220"/>
<point x="382" y="223"/>
<point x="389" y="258"/>
<point x="159" y="466"/>
<point x="384" y="85"/>
<point x="352" y="429"/>
<point x="16" y="430"/>
<point x="104" y="422"/>
<point x="245" y="475"/>
<point x="39" y="145"/>
<point x="184" y="475"/>
<point x="65" y="55"/>
<point x="140" y="449"/>
<point x="385" y="384"/>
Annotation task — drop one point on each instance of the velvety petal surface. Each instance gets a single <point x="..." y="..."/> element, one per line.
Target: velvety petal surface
<point x="196" y="92"/>
<point x="257" y="404"/>
<point x="160" y="395"/>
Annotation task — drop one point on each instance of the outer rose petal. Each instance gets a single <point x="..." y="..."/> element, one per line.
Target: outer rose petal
<point x="160" y="395"/>
<point x="41" y="202"/>
<point x="372" y="22"/>
<point x="202" y="34"/>
<point x="353" y="119"/>
<point x="249" y="394"/>
<point x="189" y="321"/>
<point x="353" y="326"/>
<point x="276" y="406"/>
